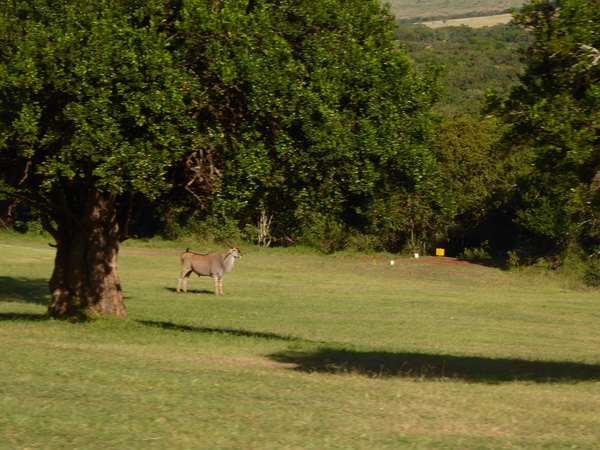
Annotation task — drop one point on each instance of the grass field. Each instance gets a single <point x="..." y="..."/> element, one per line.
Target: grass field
<point x="410" y="9"/>
<point x="303" y="351"/>
<point x="473" y="22"/>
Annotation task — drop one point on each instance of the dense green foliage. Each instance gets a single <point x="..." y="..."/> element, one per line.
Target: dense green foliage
<point x="92" y="100"/>
<point x="285" y="116"/>
<point x="310" y="115"/>
<point x="475" y="60"/>
<point x="467" y="152"/>
<point x="553" y="117"/>
<point x="91" y="97"/>
<point x="536" y="188"/>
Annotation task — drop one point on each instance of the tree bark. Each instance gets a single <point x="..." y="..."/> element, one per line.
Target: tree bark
<point x="85" y="281"/>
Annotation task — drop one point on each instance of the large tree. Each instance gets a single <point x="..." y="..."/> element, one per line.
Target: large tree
<point x="317" y="115"/>
<point x="554" y="119"/>
<point x="258" y="107"/>
<point x="93" y="110"/>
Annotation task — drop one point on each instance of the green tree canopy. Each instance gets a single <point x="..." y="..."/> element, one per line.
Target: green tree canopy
<point x="94" y="109"/>
<point x="310" y="109"/>
<point x="554" y="117"/>
<point x="466" y="148"/>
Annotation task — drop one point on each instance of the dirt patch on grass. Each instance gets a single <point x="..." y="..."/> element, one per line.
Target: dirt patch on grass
<point x="424" y="261"/>
<point x="443" y="261"/>
<point x="435" y="266"/>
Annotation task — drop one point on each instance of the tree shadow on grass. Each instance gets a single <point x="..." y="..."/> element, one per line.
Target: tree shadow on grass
<point x="437" y="367"/>
<point x="24" y="290"/>
<point x="227" y="331"/>
<point x="328" y="359"/>
<point x="23" y="317"/>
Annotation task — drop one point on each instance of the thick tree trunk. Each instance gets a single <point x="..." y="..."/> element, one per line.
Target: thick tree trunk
<point x="85" y="281"/>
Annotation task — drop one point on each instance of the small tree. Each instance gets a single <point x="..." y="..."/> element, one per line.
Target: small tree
<point x="93" y="110"/>
<point x="466" y="148"/>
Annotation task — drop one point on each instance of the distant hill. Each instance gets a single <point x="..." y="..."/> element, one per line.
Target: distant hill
<point x="438" y="9"/>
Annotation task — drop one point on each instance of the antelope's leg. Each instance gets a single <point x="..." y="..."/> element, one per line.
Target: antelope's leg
<point x="218" y="285"/>
<point x="179" y="284"/>
<point x="183" y="277"/>
<point x="216" y="280"/>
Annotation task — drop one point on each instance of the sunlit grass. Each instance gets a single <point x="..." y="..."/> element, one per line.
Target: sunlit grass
<point x="303" y="351"/>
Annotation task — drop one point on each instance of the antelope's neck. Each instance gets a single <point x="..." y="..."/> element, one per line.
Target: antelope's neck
<point x="228" y="261"/>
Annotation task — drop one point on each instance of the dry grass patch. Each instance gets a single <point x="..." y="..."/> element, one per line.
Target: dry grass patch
<point x="473" y="22"/>
<point x="410" y="9"/>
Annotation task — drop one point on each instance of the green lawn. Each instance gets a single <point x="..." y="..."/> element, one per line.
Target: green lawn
<point x="303" y="351"/>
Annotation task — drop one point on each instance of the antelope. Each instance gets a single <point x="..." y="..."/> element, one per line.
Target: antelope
<point x="213" y="265"/>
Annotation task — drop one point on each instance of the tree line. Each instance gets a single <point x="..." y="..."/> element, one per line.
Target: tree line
<point x="283" y="122"/>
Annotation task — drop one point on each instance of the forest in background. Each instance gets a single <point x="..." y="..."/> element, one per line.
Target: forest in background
<point x="482" y="141"/>
<point x="475" y="60"/>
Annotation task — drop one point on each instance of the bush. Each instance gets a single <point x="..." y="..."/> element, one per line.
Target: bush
<point x="513" y="261"/>
<point x="592" y="273"/>
<point x="476" y="254"/>
<point x="326" y="234"/>
<point x="211" y="228"/>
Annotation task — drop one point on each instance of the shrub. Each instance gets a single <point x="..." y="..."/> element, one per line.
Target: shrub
<point x="475" y="254"/>
<point x="513" y="260"/>
<point x="326" y="234"/>
<point x="592" y="273"/>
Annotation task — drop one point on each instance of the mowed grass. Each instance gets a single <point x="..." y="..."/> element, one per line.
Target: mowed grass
<point x="303" y="351"/>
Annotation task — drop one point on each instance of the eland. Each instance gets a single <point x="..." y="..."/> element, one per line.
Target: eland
<point x="213" y="265"/>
